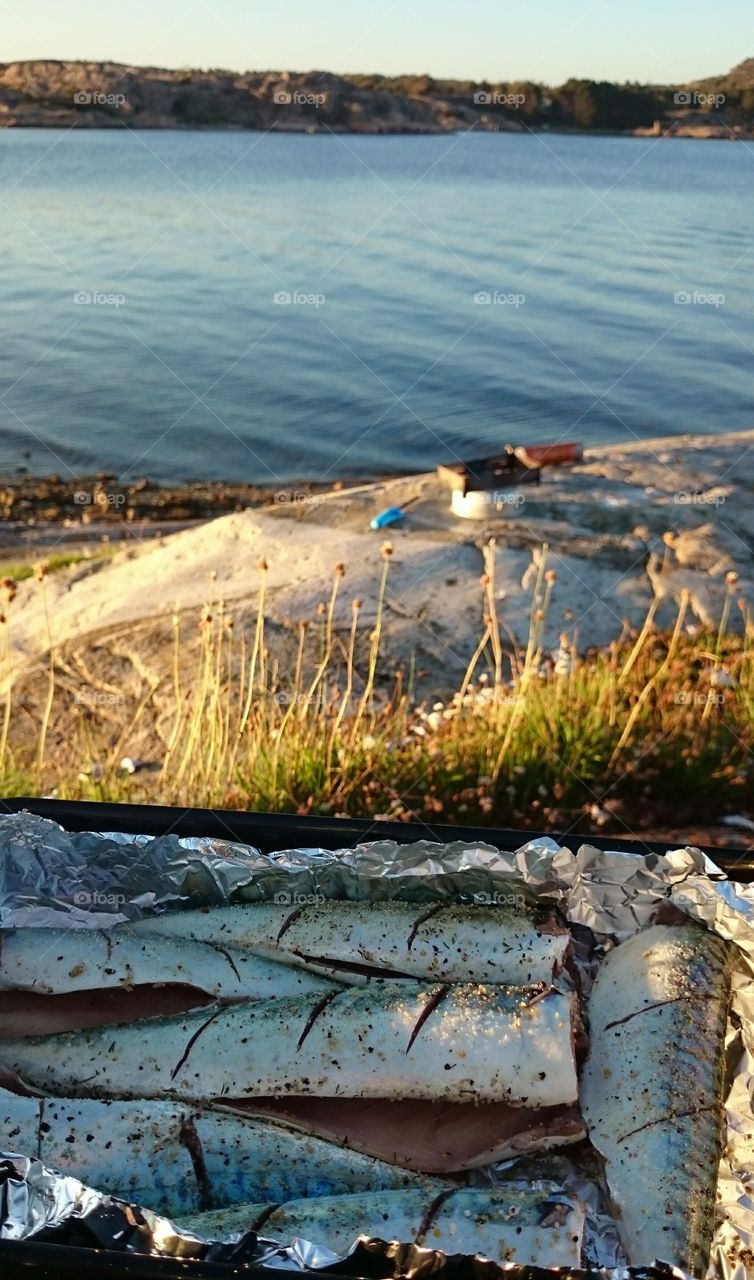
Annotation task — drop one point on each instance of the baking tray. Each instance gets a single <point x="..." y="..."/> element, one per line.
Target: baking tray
<point x="269" y="832"/>
<point x="42" y="1260"/>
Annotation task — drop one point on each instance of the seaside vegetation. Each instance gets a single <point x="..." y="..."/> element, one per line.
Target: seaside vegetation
<point x="583" y="103"/>
<point x="656" y="729"/>
<point x="21" y="570"/>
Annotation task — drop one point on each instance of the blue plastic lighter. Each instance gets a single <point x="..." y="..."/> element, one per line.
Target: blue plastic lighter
<point x="391" y="515"/>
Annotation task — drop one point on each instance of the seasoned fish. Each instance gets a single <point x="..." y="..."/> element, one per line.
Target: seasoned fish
<point x="402" y="1041"/>
<point x="652" y="1090"/>
<point x="179" y="1160"/>
<point x="53" y="961"/>
<point x="534" y="1227"/>
<point x="443" y="943"/>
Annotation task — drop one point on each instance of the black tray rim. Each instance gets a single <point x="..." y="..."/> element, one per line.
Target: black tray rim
<point x="270" y="832"/>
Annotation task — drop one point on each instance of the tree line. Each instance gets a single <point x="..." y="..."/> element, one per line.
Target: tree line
<point x="582" y="104"/>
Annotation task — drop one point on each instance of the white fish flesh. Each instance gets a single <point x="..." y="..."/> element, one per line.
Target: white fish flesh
<point x="652" y="1089"/>
<point x="444" y="942"/>
<point x="179" y="1160"/>
<point x="535" y="1226"/>
<point x="54" y="961"/>
<point x="452" y="1043"/>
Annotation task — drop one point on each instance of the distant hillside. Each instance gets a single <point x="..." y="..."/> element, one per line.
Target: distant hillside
<point x="111" y="95"/>
<point x="737" y="81"/>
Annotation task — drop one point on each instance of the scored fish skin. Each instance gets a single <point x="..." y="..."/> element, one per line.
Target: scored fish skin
<point x="55" y="961"/>
<point x="445" y="942"/>
<point x="405" y="1040"/>
<point x="504" y="1224"/>
<point x="652" y="1088"/>
<point x="176" y="1159"/>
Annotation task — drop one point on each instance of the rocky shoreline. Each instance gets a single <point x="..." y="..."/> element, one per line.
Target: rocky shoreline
<point x="28" y="501"/>
<point x="628" y="528"/>
<point x="106" y="95"/>
<point x="62" y="95"/>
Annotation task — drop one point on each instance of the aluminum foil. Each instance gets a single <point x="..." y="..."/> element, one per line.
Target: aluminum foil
<point x="50" y="877"/>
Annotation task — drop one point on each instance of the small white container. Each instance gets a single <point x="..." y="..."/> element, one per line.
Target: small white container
<point x="486" y="504"/>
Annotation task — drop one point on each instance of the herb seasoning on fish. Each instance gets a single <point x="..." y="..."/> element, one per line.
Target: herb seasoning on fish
<point x="652" y="1089"/>
<point x="505" y="1224"/>
<point x="476" y="1043"/>
<point x="58" y="961"/>
<point x="355" y="940"/>
<point x="178" y="1160"/>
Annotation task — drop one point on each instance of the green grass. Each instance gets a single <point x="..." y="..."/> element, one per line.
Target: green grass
<point x="658" y="729"/>
<point x="21" y="570"/>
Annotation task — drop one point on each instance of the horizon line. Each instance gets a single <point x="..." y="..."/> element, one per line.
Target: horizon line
<point x="346" y="75"/>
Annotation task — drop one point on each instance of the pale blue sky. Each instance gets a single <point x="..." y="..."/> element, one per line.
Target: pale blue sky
<point x="649" y="40"/>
